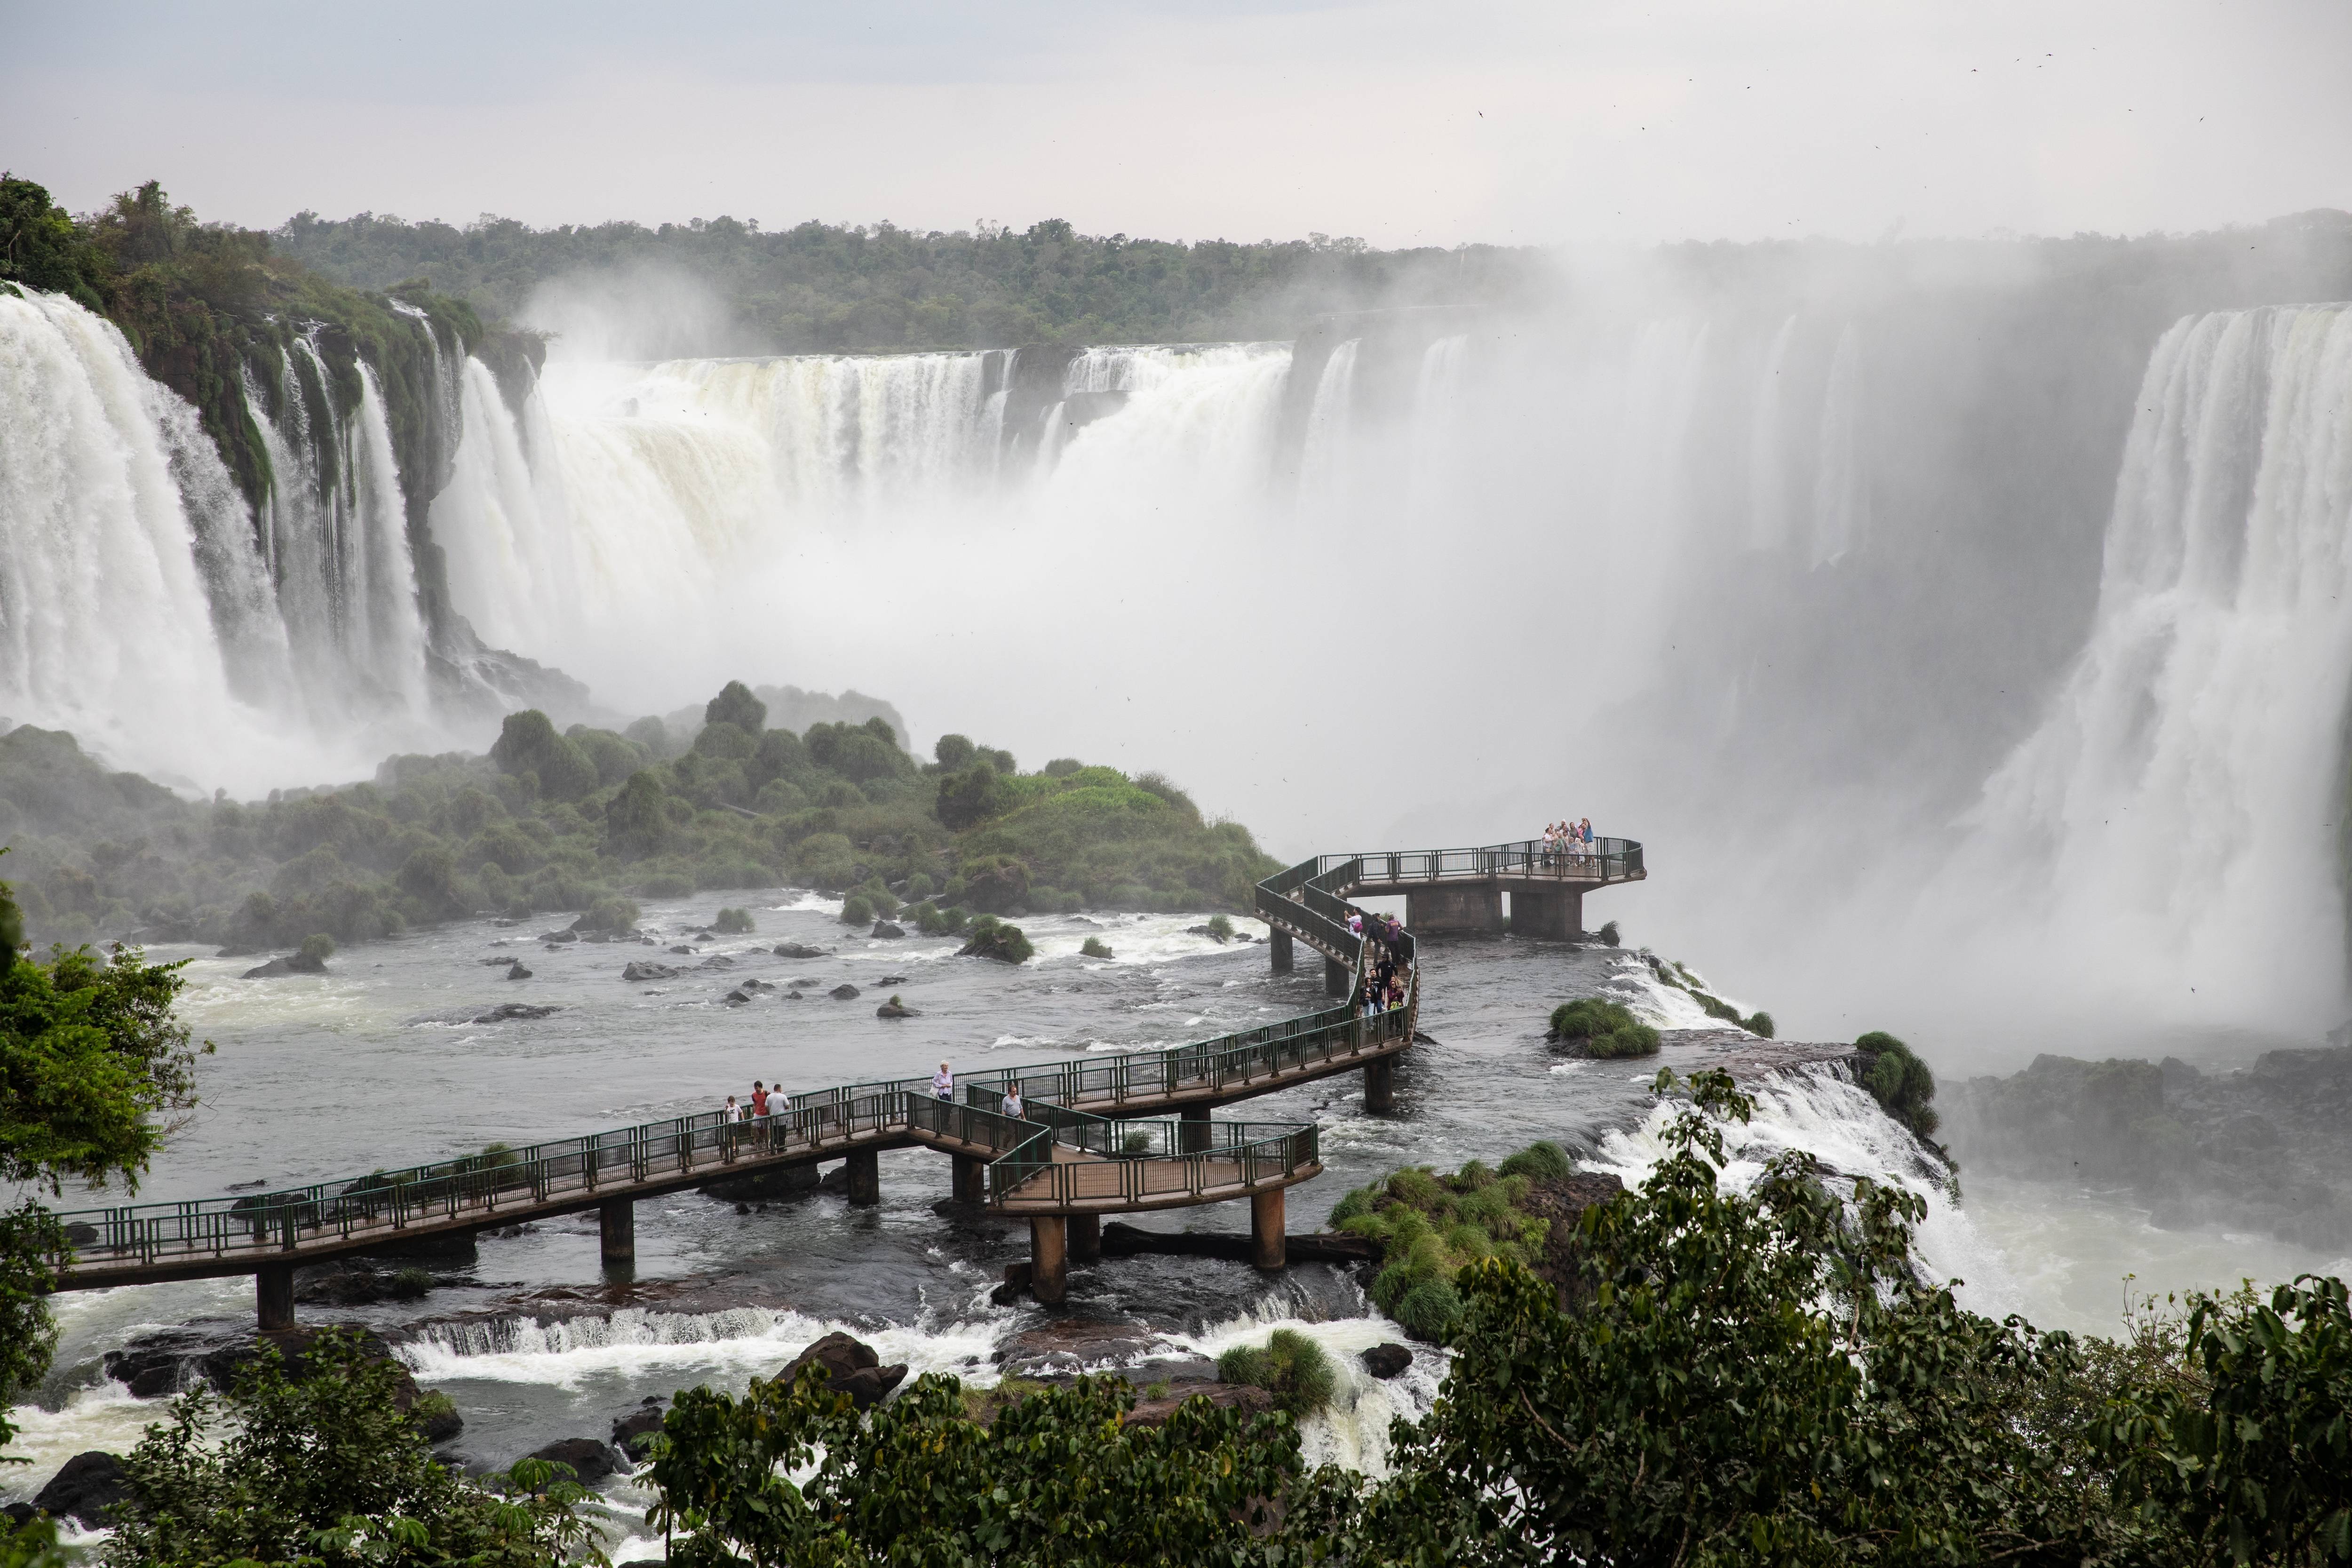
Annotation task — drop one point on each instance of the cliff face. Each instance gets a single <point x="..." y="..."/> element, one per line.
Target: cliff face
<point x="2263" y="1148"/>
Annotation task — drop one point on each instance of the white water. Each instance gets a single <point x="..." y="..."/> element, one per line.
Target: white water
<point x="2180" y="803"/>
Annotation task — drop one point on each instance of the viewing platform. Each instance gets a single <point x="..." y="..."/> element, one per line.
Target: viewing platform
<point x="1096" y="1135"/>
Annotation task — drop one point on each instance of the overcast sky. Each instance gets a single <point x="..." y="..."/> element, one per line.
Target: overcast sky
<point x="1404" y="123"/>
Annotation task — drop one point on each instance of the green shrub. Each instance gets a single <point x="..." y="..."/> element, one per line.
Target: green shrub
<point x="1357" y="1202"/>
<point x="855" y="910"/>
<point x="1759" y="1022"/>
<point x="1221" y="928"/>
<point x="1062" y="768"/>
<point x="736" y="706"/>
<point x="992" y="938"/>
<point x="919" y="887"/>
<point x="733" y="921"/>
<point x="1538" y="1161"/>
<point x="1899" y="1081"/>
<point x="1602" y="1029"/>
<point x="317" y="948"/>
<point x="1430" y="1311"/>
<point x="1608" y="934"/>
<point x="409" y="1284"/>
<point x="1095" y="947"/>
<point x="1290" y="1366"/>
<point x="667" y="885"/>
<point x="613" y="914"/>
<point x="1136" y="1143"/>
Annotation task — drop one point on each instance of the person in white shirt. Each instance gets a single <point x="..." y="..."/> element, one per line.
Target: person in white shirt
<point x="943" y="1083"/>
<point x="1013" y="1106"/>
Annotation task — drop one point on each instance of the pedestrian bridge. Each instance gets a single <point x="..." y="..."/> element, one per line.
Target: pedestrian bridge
<point x="1098" y="1134"/>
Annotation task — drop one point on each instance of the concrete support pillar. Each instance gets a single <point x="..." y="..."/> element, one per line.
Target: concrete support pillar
<point x="1555" y="913"/>
<point x="273" y="1296"/>
<point x="1380" y="1084"/>
<point x="617" y="1233"/>
<point x="1085" y="1238"/>
<point x="1337" y="977"/>
<point x="1278" y="940"/>
<point x="1267" y="1243"/>
<point x="1049" y="1259"/>
<point x="1471" y="906"/>
<point x="970" y="1179"/>
<point x="864" y="1177"/>
<point x="1194" y="1136"/>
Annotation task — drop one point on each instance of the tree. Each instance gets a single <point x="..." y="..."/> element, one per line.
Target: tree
<point x="1058" y="1478"/>
<point x="324" y="1470"/>
<point x="92" y="1065"/>
<point x="40" y="249"/>
<point x="735" y="705"/>
<point x="636" y="820"/>
<point x="527" y="743"/>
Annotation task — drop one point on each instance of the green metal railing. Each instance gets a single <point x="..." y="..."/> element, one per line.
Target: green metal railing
<point x="817" y="1123"/>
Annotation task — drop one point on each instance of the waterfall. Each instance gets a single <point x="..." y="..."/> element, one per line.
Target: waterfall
<point x="2182" y="804"/>
<point x="506" y="533"/>
<point x="132" y="607"/>
<point x="1323" y="461"/>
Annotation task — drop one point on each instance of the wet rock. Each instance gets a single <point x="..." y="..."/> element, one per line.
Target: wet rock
<point x="794" y="996"/>
<point x="1248" y="1398"/>
<point x="558" y="937"/>
<point x="682" y="948"/>
<point x="1018" y="1277"/>
<point x="773" y="1184"/>
<point x="155" y="1366"/>
<point x="85" y="1488"/>
<point x="717" y="961"/>
<point x="1064" y="1347"/>
<point x="172" y="1359"/>
<point x="270" y="971"/>
<point x="845" y="991"/>
<point x="894" y="1008"/>
<point x="1387" y="1361"/>
<point x="796" y="950"/>
<point x="885" y="928"/>
<point x="591" y="1458"/>
<point x="517" y="972"/>
<point x="892" y="980"/>
<point x="506" y="1010"/>
<point x="755" y="984"/>
<point x="851" y="1366"/>
<point x="641" y="971"/>
<point x="735" y="998"/>
<point x="630" y="1432"/>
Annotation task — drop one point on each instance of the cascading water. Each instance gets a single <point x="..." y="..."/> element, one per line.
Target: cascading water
<point x="133" y="609"/>
<point x="2182" y="804"/>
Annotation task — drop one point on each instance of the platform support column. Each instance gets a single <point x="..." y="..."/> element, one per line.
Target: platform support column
<point x="1472" y="906"/>
<point x="1266" y="1243"/>
<point x="273" y="1296"/>
<point x="1085" y="1238"/>
<point x="1192" y="1133"/>
<point x="1278" y="940"/>
<point x="864" y="1177"/>
<point x="970" y="1179"/>
<point x="616" y="1234"/>
<point x="1555" y="913"/>
<point x="1380" y="1084"/>
<point x="1337" y="977"/>
<point x="1049" y="1258"/>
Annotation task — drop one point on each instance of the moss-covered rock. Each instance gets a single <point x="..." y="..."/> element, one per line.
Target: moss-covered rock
<point x="1290" y="1366"/>
<point x="992" y="938"/>
<point x="1602" y="1029"/>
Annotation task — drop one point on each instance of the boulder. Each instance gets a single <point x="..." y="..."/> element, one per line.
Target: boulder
<point x="681" y="948"/>
<point x="505" y="1010"/>
<point x="85" y="1488"/>
<point x="630" y="1431"/>
<point x="894" y="1008"/>
<point x="1248" y="1398"/>
<point x="1387" y="1361"/>
<point x="1064" y="1347"/>
<point x="845" y="991"/>
<point x="269" y="970"/>
<point x="558" y="937"/>
<point x="517" y="972"/>
<point x="852" y="1367"/>
<point x="735" y="998"/>
<point x="796" y="950"/>
<point x="642" y="971"/>
<point x="892" y="980"/>
<point x="885" y="928"/>
<point x="717" y="961"/>
<point x="592" y="1459"/>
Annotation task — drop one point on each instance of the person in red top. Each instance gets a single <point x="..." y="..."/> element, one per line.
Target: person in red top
<point x="759" y="1098"/>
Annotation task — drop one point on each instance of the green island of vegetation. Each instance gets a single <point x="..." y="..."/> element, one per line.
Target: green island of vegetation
<point x="586" y="821"/>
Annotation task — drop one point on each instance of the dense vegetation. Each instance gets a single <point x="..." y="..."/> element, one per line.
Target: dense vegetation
<point x="1289" y="1366"/>
<point x="585" y="820"/>
<point x="1903" y="1084"/>
<point x="1594" y="1027"/>
<point x="823" y="286"/>
<point x="207" y="307"/>
<point x="1431" y="1226"/>
<point x="319" y="1467"/>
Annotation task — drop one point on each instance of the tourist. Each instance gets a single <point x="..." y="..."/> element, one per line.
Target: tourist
<point x="1584" y="836"/>
<point x="759" y="1099"/>
<point x="943" y="1083"/>
<point x="1013" y="1106"/>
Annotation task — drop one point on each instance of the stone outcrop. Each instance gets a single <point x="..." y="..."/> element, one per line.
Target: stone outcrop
<point x="591" y="1459"/>
<point x="83" y="1491"/>
<point x="851" y="1366"/>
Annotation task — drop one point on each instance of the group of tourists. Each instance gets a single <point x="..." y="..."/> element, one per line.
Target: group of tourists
<point x="762" y="1103"/>
<point x="1565" y="841"/>
<point x="1384" y="969"/>
<point x="943" y="1090"/>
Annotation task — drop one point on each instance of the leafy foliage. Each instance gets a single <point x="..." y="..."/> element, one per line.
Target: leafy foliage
<point x="323" y="1470"/>
<point x="1056" y="1478"/>
<point x="1289" y="1365"/>
<point x="1431" y="1226"/>
<point x="989" y="937"/>
<point x="1601" y="1028"/>
<point x="1899" y="1081"/>
<point x="553" y="821"/>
